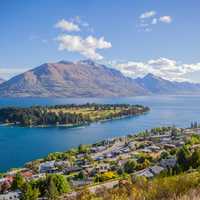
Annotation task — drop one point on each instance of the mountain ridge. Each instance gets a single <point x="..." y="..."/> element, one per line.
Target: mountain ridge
<point x="158" y="85"/>
<point x="86" y="78"/>
<point x="2" y="80"/>
<point x="71" y="79"/>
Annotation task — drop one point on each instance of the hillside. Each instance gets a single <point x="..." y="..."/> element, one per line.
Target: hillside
<point x="67" y="79"/>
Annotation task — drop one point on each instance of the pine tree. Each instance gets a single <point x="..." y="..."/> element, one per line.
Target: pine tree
<point x="52" y="192"/>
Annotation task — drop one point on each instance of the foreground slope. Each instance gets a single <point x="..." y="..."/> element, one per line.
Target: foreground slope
<point x="67" y="79"/>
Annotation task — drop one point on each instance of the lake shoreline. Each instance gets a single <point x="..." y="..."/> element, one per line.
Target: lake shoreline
<point x="72" y="125"/>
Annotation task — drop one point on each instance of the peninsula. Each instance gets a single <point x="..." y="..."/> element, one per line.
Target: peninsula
<point x="67" y="115"/>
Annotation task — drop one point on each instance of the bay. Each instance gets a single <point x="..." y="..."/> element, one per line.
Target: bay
<point x="21" y="144"/>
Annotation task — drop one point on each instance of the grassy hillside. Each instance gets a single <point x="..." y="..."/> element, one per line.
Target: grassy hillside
<point x="179" y="187"/>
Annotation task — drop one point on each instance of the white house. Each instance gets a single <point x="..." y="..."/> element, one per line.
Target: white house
<point x="47" y="166"/>
<point x="15" y="195"/>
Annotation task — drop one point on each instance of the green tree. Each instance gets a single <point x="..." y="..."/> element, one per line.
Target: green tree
<point x="130" y="166"/>
<point x="81" y="175"/>
<point x="18" y="182"/>
<point x="52" y="192"/>
<point x="60" y="182"/>
<point x="29" y="193"/>
<point x="164" y="155"/>
<point x="183" y="158"/>
<point x="195" y="159"/>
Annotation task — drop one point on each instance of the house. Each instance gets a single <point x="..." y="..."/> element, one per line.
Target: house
<point x="101" y="168"/>
<point x="168" y="163"/>
<point x="80" y="155"/>
<point x="62" y="163"/>
<point x="132" y="145"/>
<point x="6" y="180"/>
<point x="79" y="183"/>
<point x="47" y="167"/>
<point x="145" y="172"/>
<point x="169" y="146"/>
<point x="72" y="169"/>
<point x="99" y="158"/>
<point x="146" y="150"/>
<point x="38" y="176"/>
<point x="155" y="170"/>
<point x="108" y="155"/>
<point x="27" y="174"/>
<point x="154" y="148"/>
<point x="166" y="140"/>
<point x="15" y="195"/>
<point x="150" y="172"/>
<point x="125" y="150"/>
<point x="98" y="149"/>
<point x="122" y="162"/>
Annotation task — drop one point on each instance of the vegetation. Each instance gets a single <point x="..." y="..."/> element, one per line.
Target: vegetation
<point x="140" y="188"/>
<point x="67" y="114"/>
<point x="51" y="187"/>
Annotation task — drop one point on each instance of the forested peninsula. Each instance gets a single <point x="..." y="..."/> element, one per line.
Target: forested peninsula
<point x="67" y="115"/>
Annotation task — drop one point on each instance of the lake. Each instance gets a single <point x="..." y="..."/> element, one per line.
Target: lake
<point x="19" y="145"/>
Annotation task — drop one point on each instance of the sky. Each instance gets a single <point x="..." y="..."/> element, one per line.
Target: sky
<point x="134" y="36"/>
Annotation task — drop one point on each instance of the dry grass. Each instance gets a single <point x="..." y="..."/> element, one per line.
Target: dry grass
<point x="191" y="195"/>
<point x="94" y="114"/>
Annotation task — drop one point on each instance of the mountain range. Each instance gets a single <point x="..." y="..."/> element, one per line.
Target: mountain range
<point x="1" y="80"/>
<point x="88" y="79"/>
<point x="157" y="85"/>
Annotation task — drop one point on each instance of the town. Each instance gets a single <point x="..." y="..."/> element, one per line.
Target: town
<point x="103" y="164"/>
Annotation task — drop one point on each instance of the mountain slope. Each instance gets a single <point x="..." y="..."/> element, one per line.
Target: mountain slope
<point x="157" y="85"/>
<point x="67" y="79"/>
<point x="1" y="80"/>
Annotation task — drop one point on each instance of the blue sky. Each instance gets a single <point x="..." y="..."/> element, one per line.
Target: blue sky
<point x="119" y="33"/>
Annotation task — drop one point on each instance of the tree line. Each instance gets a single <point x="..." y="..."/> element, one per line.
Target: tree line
<point x="43" y="115"/>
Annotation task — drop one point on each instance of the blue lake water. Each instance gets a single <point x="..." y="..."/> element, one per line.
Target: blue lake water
<point x="19" y="145"/>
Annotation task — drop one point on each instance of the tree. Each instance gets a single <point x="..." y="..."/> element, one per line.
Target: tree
<point x="195" y="159"/>
<point x="81" y="175"/>
<point x="29" y="193"/>
<point x="18" y="182"/>
<point x="106" y="176"/>
<point x="60" y="182"/>
<point x="52" y="192"/>
<point x="130" y="166"/>
<point x="183" y="158"/>
<point x="164" y="155"/>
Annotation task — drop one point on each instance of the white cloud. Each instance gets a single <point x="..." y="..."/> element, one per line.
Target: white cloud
<point x="154" y="21"/>
<point x="163" y="67"/>
<point x="65" y="25"/>
<point x="85" y="46"/>
<point x="166" y="19"/>
<point x="151" y="18"/>
<point x="148" y="14"/>
<point x="85" y="25"/>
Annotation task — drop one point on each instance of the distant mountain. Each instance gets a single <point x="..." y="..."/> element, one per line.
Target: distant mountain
<point x="157" y="85"/>
<point x="68" y="79"/>
<point x="1" y="80"/>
